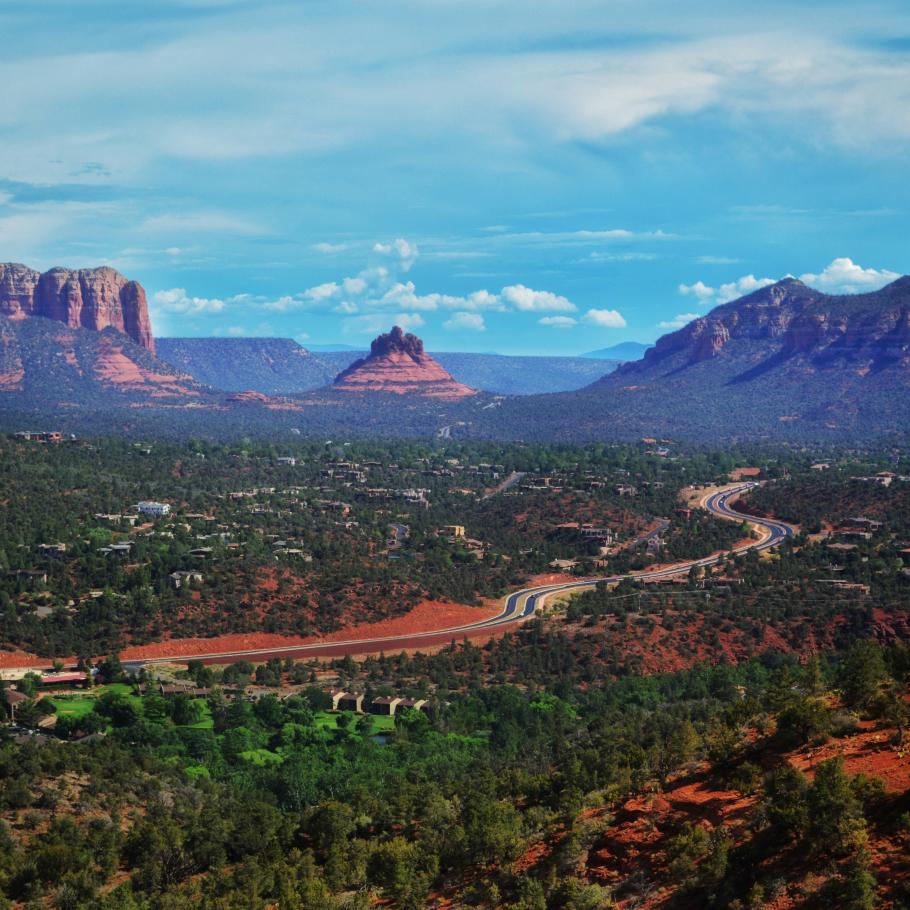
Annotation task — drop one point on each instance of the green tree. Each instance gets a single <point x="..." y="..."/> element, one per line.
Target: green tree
<point x="836" y="823"/>
<point x="861" y="674"/>
<point x="784" y="804"/>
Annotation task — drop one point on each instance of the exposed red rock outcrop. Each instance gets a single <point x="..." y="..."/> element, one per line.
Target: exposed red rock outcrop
<point x="114" y="367"/>
<point x="397" y="363"/>
<point x="86" y="298"/>
<point x="709" y="338"/>
<point x="787" y="319"/>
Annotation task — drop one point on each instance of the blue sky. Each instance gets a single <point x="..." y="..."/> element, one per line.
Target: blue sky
<point x="521" y="177"/>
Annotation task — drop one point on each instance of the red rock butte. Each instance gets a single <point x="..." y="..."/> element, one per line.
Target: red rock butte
<point x="397" y="363"/>
<point x="86" y="298"/>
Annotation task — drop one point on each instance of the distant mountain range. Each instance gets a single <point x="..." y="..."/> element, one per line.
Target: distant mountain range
<point x="280" y="366"/>
<point x="624" y="351"/>
<point x="786" y="362"/>
<point x="273" y="366"/>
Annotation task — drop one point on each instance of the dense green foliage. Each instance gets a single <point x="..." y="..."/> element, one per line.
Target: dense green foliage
<point x="267" y="805"/>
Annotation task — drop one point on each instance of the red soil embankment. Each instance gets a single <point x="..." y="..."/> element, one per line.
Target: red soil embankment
<point x="427" y="616"/>
<point x="20" y="659"/>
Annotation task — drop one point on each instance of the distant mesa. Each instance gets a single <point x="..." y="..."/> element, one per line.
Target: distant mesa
<point x="86" y="298"/>
<point x="398" y="364"/>
<point x="624" y="351"/>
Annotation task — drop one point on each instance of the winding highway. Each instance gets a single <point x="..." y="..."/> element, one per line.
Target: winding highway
<point x="517" y="607"/>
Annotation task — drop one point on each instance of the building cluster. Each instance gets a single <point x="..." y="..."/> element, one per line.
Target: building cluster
<point x="383" y="705"/>
<point x="884" y="478"/>
<point x="52" y="436"/>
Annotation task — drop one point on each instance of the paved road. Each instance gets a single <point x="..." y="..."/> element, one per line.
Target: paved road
<point x="517" y="607"/>
<point x="507" y="484"/>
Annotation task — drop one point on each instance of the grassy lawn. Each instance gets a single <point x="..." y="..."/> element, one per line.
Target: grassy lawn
<point x="72" y="705"/>
<point x="207" y="722"/>
<point x="330" y="721"/>
<point x="82" y="701"/>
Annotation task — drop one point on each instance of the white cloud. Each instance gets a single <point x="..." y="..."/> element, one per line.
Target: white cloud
<point x="465" y="322"/>
<point x="742" y="286"/>
<point x="374" y="323"/>
<point x="699" y="290"/>
<point x="528" y="300"/>
<point x="409" y="320"/>
<point x="558" y="322"/>
<point x="844" y="276"/>
<point x="329" y="247"/>
<point x="717" y="260"/>
<point x="605" y="319"/>
<point x="403" y="251"/>
<point x="483" y="300"/>
<point x="382" y="289"/>
<point x="600" y="256"/>
<point x="190" y="224"/>
<point x="841" y="276"/>
<point x="677" y="322"/>
<point x="176" y="300"/>
<point x="322" y="291"/>
<point x="732" y="290"/>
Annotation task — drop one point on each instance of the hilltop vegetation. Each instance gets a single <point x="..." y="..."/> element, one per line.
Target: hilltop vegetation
<point x="687" y="789"/>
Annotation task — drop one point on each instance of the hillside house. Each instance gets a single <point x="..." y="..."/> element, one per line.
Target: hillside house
<point x="183" y="578"/>
<point x="350" y="701"/>
<point x="415" y="704"/>
<point x="13" y="700"/>
<point x="52" y="549"/>
<point x="64" y="679"/>
<point x="39" y="436"/>
<point x="860" y="524"/>
<point x="591" y="532"/>
<point x="150" y="507"/>
<point x="115" y="518"/>
<point x="745" y="473"/>
<point x="385" y="705"/>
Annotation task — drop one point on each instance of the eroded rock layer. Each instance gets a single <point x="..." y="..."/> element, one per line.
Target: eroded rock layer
<point x="397" y="363"/>
<point x="86" y="298"/>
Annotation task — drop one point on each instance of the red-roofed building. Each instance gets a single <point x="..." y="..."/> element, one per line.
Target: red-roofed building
<point x="64" y="679"/>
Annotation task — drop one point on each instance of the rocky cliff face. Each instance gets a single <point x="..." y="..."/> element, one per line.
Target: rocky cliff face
<point x="789" y="319"/>
<point x="786" y="362"/>
<point x="397" y="363"/>
<point x="88" y="298"/>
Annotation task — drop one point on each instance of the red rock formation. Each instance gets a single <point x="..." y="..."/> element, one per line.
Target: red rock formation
<point x="87" y="298"/>
<point x="709" y="337"/>
<point x="397" y="363"/>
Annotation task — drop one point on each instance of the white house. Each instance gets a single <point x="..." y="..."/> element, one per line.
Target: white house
<point x="147" y="507"/>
